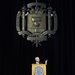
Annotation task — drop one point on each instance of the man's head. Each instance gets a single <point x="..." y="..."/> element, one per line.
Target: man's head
<point x="37" y="59"/>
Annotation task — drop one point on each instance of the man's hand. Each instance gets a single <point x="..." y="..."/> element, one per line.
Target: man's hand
<point x="46" y="62"/>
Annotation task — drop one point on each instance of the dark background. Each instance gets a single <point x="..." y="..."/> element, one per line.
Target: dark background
<point x="17" y="54"/>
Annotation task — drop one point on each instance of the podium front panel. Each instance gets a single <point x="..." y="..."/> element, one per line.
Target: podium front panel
<point x="38" y="69"/>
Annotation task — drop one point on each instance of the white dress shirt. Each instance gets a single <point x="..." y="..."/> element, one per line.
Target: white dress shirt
<point x="37" y="63"/>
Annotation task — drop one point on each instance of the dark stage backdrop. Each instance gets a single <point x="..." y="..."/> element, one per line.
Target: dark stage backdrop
<point x="17" y="54"/>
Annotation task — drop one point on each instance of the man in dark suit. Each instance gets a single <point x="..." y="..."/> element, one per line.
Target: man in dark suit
<point x="37" y="59"/>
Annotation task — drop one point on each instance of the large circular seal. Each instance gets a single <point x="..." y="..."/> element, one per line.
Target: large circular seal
<point x="38" y="70"/>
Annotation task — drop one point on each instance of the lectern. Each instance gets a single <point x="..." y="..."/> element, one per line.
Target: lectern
<point x="38" y="69"/>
